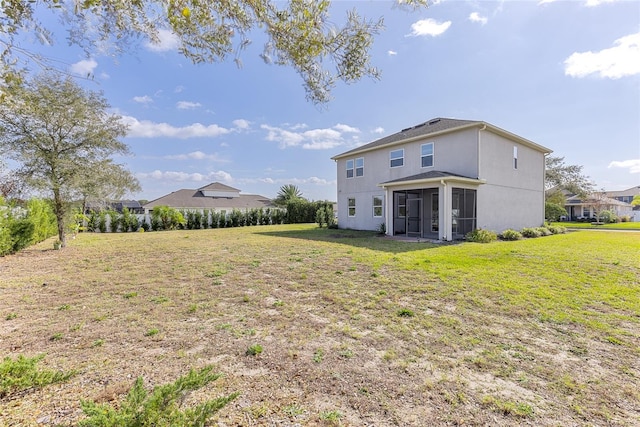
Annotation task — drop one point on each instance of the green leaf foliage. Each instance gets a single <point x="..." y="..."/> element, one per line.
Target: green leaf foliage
<point x="22" y="373"/>
<point x="161" y="407"/>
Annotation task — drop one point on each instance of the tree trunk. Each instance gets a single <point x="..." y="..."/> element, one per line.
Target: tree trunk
<point x="59" y="211"/>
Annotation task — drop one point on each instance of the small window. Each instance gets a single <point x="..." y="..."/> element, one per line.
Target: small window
<point x="360" y="166"/>
<point x="350" y="168"/>
<point x="351" y="203"/>
<point x="377" y="206"/>
<point x="586" y="212"/>
<point x="397" y="158"/>
<point x="426" y="151"/>
<point x="515" y="157"/>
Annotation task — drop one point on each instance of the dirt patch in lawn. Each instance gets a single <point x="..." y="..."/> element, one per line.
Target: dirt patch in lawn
<point x="344" y="343"/>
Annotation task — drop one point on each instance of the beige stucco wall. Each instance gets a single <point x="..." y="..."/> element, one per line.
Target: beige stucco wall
<point x="511" y="198"/>
<point x="455" y="153"/>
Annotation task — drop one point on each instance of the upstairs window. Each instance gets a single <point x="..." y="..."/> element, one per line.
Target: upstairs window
<point x="426" y="154"/>
<point x="360" y="166"/>
<point x="396" y="158"/>
<point x="350" y="168"/>
<point x="515" y="157"/>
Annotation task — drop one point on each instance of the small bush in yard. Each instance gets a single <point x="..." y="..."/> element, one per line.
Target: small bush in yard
<point x="481" y="236"/>
<point x="511" y="235"/>
<point x="23" y="374"/>
<point x="161" y="407"/>
<point x="530" y="232"/>
<point x="544" y="231"/>
<point x="254" y="350"/>
<point x="557" y="229"/>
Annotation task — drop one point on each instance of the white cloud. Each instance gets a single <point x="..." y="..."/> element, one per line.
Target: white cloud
<point x="594" y="3"/>
<point x="378" y="130"/>
<point x="104" y="76"/>
<point x="178" y="89"/>
<point x="196" y="155"/>
<point x="392" y="52"/>
<point x="166" y="41"/>
<point x="429" y="27"/>
<point x="185" y="176"/>
<point x="187" y="105"/>
<point x="623" y="59"/>
<point x="297" y="181"/>
<point x="314" y="139"/>
<point x="476" y="17"/>
<point x="633" y="165"/>
<point x="149" y="129"/>
<point x="241" y="124"/>
<point x="541" y="2"/>
<point x="84" y="67"/>
<point x="146" y="99"/>
<point x="346" y="128"/>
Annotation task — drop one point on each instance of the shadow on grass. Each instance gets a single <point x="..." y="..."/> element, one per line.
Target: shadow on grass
<point x="360" y="239"/>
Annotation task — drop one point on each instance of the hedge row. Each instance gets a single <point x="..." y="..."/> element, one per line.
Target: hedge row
<point x="22" y="227"/>
<point x="485" y="236"/>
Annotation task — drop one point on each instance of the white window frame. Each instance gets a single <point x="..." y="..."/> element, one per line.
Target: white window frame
<point x="380" y="206"/>
<point x="392" y="158"/>
<point x="351" y="207"/>
<point x="423" y="156"/>
<point x="350" y="168"/>
<point x="359" y="169"/>
<point x="515" y="157"/>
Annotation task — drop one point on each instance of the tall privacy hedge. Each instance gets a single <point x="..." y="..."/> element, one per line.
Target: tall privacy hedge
<point x="21" y="227"/>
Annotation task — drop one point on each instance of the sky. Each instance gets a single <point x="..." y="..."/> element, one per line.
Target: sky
<point x="564" y="74"/>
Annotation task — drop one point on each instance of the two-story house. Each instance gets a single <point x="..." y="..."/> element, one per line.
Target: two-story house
<point x="441" y="179"/>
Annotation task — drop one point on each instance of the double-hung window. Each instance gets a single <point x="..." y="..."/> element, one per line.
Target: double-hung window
<point x="350" y="168"/>
<point x="426" y="155"/>
<point x="396" y="158"/>
<point x="377" y="206"/>
<point x="360" y="166"/>
<point x="351" y="205"/>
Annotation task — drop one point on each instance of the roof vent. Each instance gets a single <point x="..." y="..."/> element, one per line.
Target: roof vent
<point x="405" y="129"/>
<point x="434" y="121"/>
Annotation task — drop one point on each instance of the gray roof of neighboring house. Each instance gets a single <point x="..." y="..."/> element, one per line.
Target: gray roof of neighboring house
<point x="576" y="200"/>
<point x="428" y="175"/>
<point x="434" y="127"/>
<point x="217" y="186"/>
<point x="628" y="192"/>
<point x="194" y="199"/>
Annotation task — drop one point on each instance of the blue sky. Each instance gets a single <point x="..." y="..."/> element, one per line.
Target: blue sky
<point x="564" y="74"/>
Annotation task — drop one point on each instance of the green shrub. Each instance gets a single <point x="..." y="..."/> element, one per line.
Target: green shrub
<point x="161" y="407"/>
<point x="608" y="217"/>
<point x="23" y="374"/>
<point x="625" y="218"/>
<point x="321" y="217"/>
<point x="553" y="211"/>
<point x="554" y="229"/>
<point x="41" y="215"/>
<point x="481" y="236"/>
<point x="511" y="235"/>
<point x="254" y="350"/>
<point x="544" y="231"/>
<point x="530" y="232"/>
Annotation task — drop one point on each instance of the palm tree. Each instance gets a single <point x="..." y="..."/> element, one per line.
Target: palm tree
<point x="287" y="193"/>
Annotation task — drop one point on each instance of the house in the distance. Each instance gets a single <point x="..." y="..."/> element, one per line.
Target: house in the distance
<point x="586" y="209"/>
<point x="626" y="195"/>
<point x="213" y="197"/>
<point x="441" y="179"/>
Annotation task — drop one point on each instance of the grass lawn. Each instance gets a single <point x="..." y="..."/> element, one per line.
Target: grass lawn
<point x="355" y="329"/>
<point x="613" y="226"/>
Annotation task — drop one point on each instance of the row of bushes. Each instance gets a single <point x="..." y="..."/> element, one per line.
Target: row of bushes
<point x="22" y="227"/>
<point x="485" y="236"/>
<point x="166" y="218"/>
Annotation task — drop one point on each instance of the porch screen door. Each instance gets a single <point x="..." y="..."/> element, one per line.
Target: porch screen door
<point x="414" y="216"/>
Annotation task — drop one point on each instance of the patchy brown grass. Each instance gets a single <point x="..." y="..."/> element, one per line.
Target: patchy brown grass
<point x="355" y="329"/>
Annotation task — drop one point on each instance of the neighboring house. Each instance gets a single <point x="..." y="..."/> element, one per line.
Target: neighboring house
<point x="117" y="205"/>
<point x="578" y="209"/>
<point x="213" y="197"/>
<point x="441" y="179"/>
<point x="625" y="195"/>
